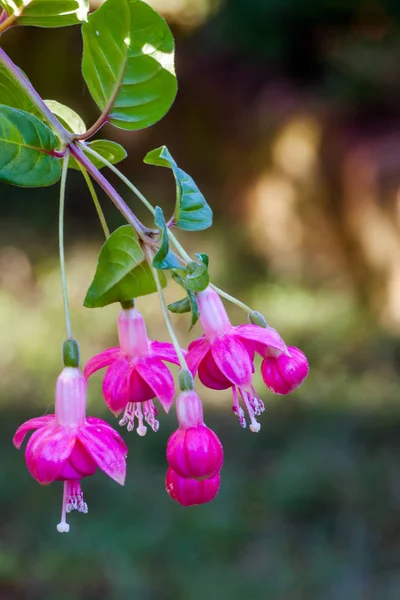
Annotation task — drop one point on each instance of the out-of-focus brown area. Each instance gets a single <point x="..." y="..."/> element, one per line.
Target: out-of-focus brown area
<point x="288" y="119"/>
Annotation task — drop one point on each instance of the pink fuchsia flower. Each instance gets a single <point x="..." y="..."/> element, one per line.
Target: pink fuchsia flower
<point x="136" y="373"/>
<point x="193" y="451"/>
<point x="224" y="356"/>
<point x="285" y="372"/>
<point x="189" y="492"/>
<point x="67" y="446"/>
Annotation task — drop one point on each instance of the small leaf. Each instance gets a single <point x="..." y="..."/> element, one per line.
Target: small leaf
<point x="179" y="277"/>
<point x="48" y="13"/>
<point x="197" y="278"/>
<point x="25" y="150"/>
<point x="111" y="151"/>
<point x="164" y="258"/>
<point x="204" y="258"/>
<point x="180" y="306"/>
<point x="191" y="210"/>
<point x="122" y="272"/>
<point x="128" y="56"/>
<point x="68" y="117"/>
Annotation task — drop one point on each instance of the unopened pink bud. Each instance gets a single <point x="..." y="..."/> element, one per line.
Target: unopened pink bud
<point x="195" y="453"/>
<point x="189" y="409"/>
<point x="284" y="373"/>
<point x="189" y="492"/>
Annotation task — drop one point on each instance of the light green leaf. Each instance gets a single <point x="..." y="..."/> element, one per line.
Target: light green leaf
<point x="128" y="56"/>
<point x="164" y="258"/>
<point x="111" y="151"/>
<point x="11" y="93"/>
<point x="191" y="211"/>
<point x="25" y="147"/>
<point x="48" y="13"/>
<point x="122" y="272"/>
<point x="68" y="117"/>
<point x="197" y="278"/>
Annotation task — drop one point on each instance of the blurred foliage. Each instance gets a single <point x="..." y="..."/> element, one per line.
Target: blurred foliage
<point x="288" y="120"/>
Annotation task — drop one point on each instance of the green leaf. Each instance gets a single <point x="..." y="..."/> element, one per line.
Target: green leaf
<point x="48" y="13"/>
<point x="197" y="278"/>
<point x="180" y="306"/>
<point x="204" y="258"/>
<point x="191" y="211"/>
<point x="122" y="272"/>
<point x="12" y="94"/>
<point x="68" y="117"/>
<point x="128" y="56"/>
<point x="111" y="151"/>
<point x="25" y="147"/>
<point x="164" y="258"/>
<point x="179" y="277"/>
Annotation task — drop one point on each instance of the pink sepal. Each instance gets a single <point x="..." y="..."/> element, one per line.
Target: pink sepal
<point x="34" y="423"/>
<point x="47" y="452"/>
<point x="101" y="360"/>
<point x="267" y="336"/>
<point x="116" y="389"/>
<point x="196" y="352"/>
<point x="232" y="359"/>
<point x="108" y="452"/>
<point x="159" y="378"/>
<point x="165" y="351"/>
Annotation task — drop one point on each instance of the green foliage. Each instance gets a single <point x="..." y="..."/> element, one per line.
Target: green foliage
<point x="108" y="149"/>
<point x="180" y="277"/>
<point x="68" y="117"/>
<point x="25" y="144"/>
<point x="197" y="278"/>
<point x="191" y="211"/>
<point x="164" y="258"/>
<point x="48" y="13"/>
<point x="122" y="272"/>
<point x="180" y="306"/>
<point x="12" y="94"/>
<point x="128" y="60"/>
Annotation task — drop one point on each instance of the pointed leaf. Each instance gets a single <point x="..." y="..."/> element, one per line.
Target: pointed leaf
<point x="128" y="56"/>
<point x="191" y="211"/>
<point x="164" y="258"/>
<point x="204" y="258"/>
<point x="68" y="117"/>
<point x="25" y="147"/>
<point x="180" y="306"/>
<point x="122" y="273"/>
<point x="48" y="13"/>
<point x="111" y="151"/>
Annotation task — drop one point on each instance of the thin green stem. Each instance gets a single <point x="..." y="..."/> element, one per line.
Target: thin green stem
<point x="96" y="202"/>
<point x="232" y="299"/>
<point x="61" y="245"/>
<point x="164" y="307"/>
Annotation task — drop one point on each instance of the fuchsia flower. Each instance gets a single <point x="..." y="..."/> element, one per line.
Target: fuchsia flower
<point x="285" y="372"/>
<point x="67" y="446"/>
<point x="189" y="492"/>
<point x="224" y="356"/>
<point x="193" y="451"/>
<point x="136" y="373"/>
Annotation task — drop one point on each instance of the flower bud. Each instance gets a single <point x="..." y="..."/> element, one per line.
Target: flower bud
<point x="195" y="453"/>
<point x="189" y="492"/>
<point x="256" y="318"/>
<point x="189" y="409"/>
<point x="284" y="373"/>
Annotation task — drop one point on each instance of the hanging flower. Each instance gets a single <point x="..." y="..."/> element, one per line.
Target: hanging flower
<point x="284" y="373"/>
<point x="189" y="492"/>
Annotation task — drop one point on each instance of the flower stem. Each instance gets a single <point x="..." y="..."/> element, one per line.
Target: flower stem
<point x="96" y="202"/>
<point x="8" y="22"/>
<point x="164" y="307"/>
<point x="232" y="299"/>
<point x="61" y="246"/>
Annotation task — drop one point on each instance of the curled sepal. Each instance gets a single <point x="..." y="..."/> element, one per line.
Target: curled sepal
<point x="47" y="13"/>
<point x="128" y="63"/>
<point x="191" y="210"/>
<point x="26" y="146"/>
<point x="122" y="272"/>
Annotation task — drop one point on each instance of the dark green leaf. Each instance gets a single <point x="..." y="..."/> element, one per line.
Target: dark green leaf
<point x="164" y="258"/>
<point x="180" y="306"/>
<point x="204" y="258"/>
<point x="180" y="277"/>
<point x="48" y="13"/>
<point x="197" y="278"/>
<point x="191" y="211"/>
<point x="128" y="56"/>
<point x="111" y="151"/>
<point x="122" y="272"/>
<point x="25" y="147"/>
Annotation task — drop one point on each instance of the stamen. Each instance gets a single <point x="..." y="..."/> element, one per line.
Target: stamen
<point x="141" y="429"/>
<point x="248" y="400"/>
<point x="237" y="409"/>
<point x="63" y="526"/>
<point x="142" y="411"/>
<point x="72" y="500"/>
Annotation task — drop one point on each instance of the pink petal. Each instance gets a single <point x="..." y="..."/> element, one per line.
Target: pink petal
<point x="47" y="452"/>
<point x="165" y="351"/>
<point x="196" y="352"/>
<point x="106" y="451"/>
<point x="116" y="385"/>
<point x="267" y="336"/>
<point x="101" y="360"/>
<point x="27" y="426"/>
<point x="110" y="430"/>
<point x="232" y="359"/>
<point x="159" y="378"/>
<point x="80" y="463"/>
<point x="210" y="375"/>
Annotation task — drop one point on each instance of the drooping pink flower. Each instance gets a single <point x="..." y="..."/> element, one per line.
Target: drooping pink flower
<point x="224" y="356"/>
<point x="285" y="372"/>
<point x="136" y="373"/>
<point x="67" y="446"/>
<point x="193" y="451"/>
<point x="189" y="492"/>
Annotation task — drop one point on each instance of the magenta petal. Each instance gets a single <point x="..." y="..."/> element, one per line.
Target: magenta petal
<point x="105" y="450"/>
<point x="232" y="359"/>
<point x="104" y="426"/>
<point x="101" y="360"/>
<point x="196" y="352"/>
<point x="116" y="385"/>
<point x="210" y="375"/>
<point x="165" y="351"/>
<point x="267" y="336"/>
<point x="159" y="378"/>
<point x="27" y="426"/>
<point x="47" y="452"/>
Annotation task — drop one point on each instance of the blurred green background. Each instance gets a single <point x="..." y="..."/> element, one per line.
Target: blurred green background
<point x="288" y="118"/>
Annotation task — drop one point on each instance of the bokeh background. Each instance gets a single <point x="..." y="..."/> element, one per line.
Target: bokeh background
<point x="288" y="118"/>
